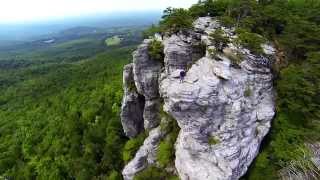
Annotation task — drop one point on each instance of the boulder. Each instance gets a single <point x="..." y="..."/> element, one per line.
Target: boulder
<point x="205" y="24"/>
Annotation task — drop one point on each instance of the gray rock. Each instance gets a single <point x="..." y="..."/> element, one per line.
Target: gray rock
<point x="205" y="24"/>
<point x="145" y="156"/>
<point x="223" y="112"/>
<point x="132" y="105"/>
<point x="211" y="103"/>
<point x="146" y="73"/>
<point x="151" y="113"/>
<point x="315" y="149"/>
<point x="178" y="53"/>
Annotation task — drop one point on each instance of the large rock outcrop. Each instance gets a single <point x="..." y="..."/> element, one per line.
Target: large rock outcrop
<point x="141" y="100"/>
<point x="224" y="107"/>
<point x="234" y="111"/>
<point x="146" y="72"/>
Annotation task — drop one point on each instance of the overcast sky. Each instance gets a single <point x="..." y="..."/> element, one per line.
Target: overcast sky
<point x="26" y="10"/>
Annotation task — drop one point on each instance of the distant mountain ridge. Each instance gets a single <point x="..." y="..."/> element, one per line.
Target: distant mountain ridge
<point x="30" y="31"/>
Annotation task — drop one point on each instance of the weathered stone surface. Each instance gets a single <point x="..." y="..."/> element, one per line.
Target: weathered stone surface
<point x="215" y="105"/>
<point x="223" y="111"/>
<point x="151" y="113"/>
<point x="145" y="156"/>
<point x="234" y="106"/>
<point x="315" y="149"/>
<point x="205" y="24"/>
<point x="146" y="72"/>
<point x="132" y="105"/>
<point x="178" y="53"/>
<point x="268" y="49"/>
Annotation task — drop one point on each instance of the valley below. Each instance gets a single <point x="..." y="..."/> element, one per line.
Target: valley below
<point x="60" y="97"/>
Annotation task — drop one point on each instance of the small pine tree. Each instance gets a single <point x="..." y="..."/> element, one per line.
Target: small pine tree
<point x="175" y="20"/>
<point x="219" y="39"/>
<point x="156" y="50"/>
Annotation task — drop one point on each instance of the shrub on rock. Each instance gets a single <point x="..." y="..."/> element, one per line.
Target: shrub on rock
<point x="156" y="50"/>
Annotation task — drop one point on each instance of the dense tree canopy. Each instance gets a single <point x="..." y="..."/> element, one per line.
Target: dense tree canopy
<point x="62" y="121"/>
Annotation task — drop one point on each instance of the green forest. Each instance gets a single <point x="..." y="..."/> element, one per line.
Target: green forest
<point x="60" y="119"/>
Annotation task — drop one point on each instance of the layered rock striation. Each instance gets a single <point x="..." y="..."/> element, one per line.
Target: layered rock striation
<point x="224" y="111"/>
<point x="146" y="72"/>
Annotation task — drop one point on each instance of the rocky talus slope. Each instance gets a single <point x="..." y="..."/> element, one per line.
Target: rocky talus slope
<point x="224" y="109"/>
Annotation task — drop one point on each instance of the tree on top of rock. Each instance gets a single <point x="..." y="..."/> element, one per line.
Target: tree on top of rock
<point x="219" y="39"/>
<point x="175" y="20"/>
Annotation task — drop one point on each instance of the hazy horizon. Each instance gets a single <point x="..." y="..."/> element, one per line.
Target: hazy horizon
<point x="19" y="12"/>
<point x="25" y="31"/>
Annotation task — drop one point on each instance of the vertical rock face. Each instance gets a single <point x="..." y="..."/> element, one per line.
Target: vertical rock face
<point x="178" y="53"/>
<point x="224" y="111"/>
<point x="132" y="105"/>
<point x="146" y="72"/>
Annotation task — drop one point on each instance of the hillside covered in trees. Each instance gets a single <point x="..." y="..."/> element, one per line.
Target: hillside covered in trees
<point x="59" y="105"/>
<point x="61" y="121"/>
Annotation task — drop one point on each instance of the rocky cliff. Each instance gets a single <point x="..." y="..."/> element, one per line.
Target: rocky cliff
<point x="224" y="106"/>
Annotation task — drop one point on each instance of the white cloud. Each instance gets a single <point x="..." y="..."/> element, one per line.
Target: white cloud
<point x="24" y="10"/>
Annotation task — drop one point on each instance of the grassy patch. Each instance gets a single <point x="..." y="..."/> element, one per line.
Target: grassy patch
<point x="247" y="92"/>
<point x="155" y="173"/>
<point x="219" y="39"/>
<point x="250" y="40"/>
<point x="131" y="87"/>
<point x="156" y="51"/>
<point x="166" y="150"/>
<point x="234" y="57"/>
<point x="213" y="53"/>
<point x="73" y="43"/>
<point x="213" y="140"/>
<point x="165" y="155"/>
<point x="132" y="146"/>
<point x="113" y="41"/>
<point x="114" y="175"/>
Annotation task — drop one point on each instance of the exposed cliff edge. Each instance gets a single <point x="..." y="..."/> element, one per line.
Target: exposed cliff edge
<point x="224" y="107"/>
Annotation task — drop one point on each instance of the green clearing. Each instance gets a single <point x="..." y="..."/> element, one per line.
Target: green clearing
<point x="75" y="42"/>
<point x="113" y="41"/>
